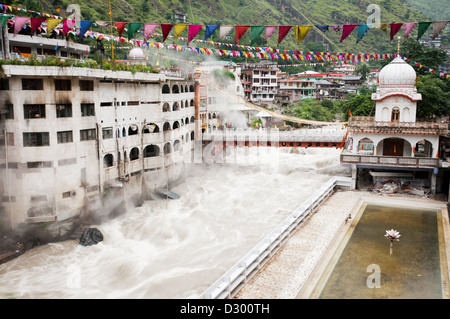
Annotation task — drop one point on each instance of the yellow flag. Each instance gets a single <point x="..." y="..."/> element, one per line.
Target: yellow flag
<point x="178" y="30"/>
<point x="304" y="29"/>
<point x="51" y="24"/>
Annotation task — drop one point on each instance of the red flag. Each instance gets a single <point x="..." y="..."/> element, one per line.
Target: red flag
<point x="35" y="23"/>
<point x="120" y="26"/>
<point x="194" y="29"/>
<point x="347" y="29"/>
<point x="165" y="30"/>
<point x="240" y="31"/>
<point x="282" y="32"/>
<point x="394" y="29"/>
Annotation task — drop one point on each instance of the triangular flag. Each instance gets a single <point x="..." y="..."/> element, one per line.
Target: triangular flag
<point x="35" y="23"/>
<point x="256" y="32"/>
<point x="438" y="26"/>
<point x="133" y="29"/>
<point x="240" y="31"/>
<point x="423" y="26"/>
<point x="224" y="30"/>
<point x="322" y="28"/>
<point x="178" y="29"/>
<point x="4" y="21"/>
<point x="282" y="32"/>
<point x="67" y="25"/>
<point x="346" y="30"/>
<point x="84" y="26"/>
<point x="301" y="31"/>
<point x="166" y="30"/>
<point x="270" y="29"/>
<point x="383" y="26"/>
<point x="210" y="30"/>
<point x="394" y="29"/>
<point x="149" y="29"/>
<point x="194" y="29"/>
<point x="19" y="23"/>
<point x="362" y="31"/>
<point x="120" y="26"/>
<point x="408" y="28"/>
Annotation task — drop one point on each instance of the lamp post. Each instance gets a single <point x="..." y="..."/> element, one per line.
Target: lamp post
<point x="392" y="235"/>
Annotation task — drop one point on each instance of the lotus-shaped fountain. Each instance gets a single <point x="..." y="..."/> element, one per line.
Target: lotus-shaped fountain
<point x="392" y="235"/>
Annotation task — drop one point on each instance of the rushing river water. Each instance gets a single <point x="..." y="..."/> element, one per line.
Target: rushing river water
<point x="177" y="248"/>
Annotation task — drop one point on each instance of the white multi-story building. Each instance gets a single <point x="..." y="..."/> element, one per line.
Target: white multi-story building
<point x="70" y="135"/>
<point x="264" y="81"/>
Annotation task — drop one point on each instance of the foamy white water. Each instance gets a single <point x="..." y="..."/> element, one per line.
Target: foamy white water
<point x="178" y="248"/>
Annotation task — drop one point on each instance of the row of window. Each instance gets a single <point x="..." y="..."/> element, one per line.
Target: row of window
<point x="149" y="150"/>
<point x="37" y="84"/>
<point x="33" y="139"/>
<point x="31" y="111"/>
<point x="177" y="89"/>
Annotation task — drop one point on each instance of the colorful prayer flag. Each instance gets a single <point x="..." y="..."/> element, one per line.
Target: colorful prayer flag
<point x="240" y="31"/>
<point x="19" y="23"/>
<point x="394" y="29"/>
<point x="423" y="26"/>
<point x="194" y="29"/>
<point x="346" y="30"/>
<point x="282" y="32"/>
<point x="166" y="30"/>
<point x="210" y="30"/>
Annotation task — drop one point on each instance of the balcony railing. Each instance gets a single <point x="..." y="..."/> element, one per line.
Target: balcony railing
<point x="389" y="160"/>
<point x="368" y="123"/>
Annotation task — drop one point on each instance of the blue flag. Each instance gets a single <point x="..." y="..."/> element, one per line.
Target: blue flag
<point x="210" y="30"/>
<point x="84" y="26"/>
<point x="322" y="28"/>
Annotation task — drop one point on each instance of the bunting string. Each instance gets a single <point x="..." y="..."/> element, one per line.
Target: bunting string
<point x="300" y="31"/>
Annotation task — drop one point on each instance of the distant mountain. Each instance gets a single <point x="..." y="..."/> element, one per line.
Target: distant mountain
<point x="259" y="12"/>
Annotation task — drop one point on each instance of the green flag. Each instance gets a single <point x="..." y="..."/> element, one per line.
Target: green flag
<point x="4" y="21"/>
<point x="423" y="26"/>
<point x="133" y="28"/>
<point x="256" y="32"/>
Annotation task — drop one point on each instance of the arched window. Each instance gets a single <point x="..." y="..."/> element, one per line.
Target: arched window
<point x="166" y="127"/>
<point x="165" y="89"/>
<point x="186" y="121"/>
<point x="134" y="154"/>
<point x="176" y="145"/>
<point x="395" y="115"/>
<point x="182" y="89"/>
<point x="175" y="89"/>
<point x="192" y="103"/>
<point x="192" y="119"/>
<point x="166" y="107"/>
<point x="191" y="88"/>
<point x="151" y="151"/>
<point x="124" y="132"/>
<point x="167" y="148"/>
<point x="176" y="125"/>
<point x="133" y="129"/>
<point x="108" y="160"/>
<point x="151" y="128"/>
<point x="192" y="136"/>
<point x="176" y="106"/>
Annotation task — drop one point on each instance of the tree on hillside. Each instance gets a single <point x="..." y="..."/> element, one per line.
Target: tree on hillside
<point x="435" y="96"/>
<point x="428" y="56"/>
<point x="358" y="105"/>
<point x="363" y="70"/>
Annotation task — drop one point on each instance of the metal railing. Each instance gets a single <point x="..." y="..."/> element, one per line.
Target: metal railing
<point x="390" y="160"/>
<point x="229" y="284"/>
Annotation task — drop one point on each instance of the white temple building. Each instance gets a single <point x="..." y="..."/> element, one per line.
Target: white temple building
<point x="394" y="143"/>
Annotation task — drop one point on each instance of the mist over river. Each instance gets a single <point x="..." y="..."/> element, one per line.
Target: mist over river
<point x="177" y="248"/>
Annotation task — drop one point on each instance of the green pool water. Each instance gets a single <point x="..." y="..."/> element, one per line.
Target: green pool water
<point x="365" y="269"/>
